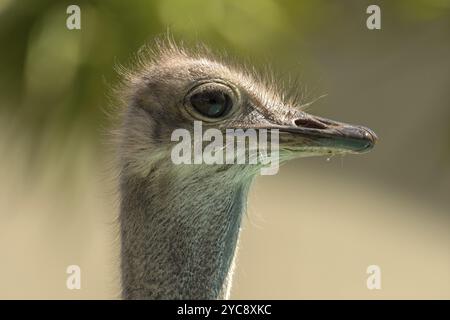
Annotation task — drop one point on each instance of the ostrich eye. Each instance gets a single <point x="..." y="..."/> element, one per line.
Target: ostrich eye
<point x="212" y="104"/>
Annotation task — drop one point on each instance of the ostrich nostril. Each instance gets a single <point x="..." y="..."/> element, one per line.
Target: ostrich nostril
<point x="310" y="123"/>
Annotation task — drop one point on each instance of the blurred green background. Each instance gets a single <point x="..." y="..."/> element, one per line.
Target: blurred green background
<point x="314" y="228"/>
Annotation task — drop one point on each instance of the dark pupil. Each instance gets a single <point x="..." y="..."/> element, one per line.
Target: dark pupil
<point x="211" y="104"/>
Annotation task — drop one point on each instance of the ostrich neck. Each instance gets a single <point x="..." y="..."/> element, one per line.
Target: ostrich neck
<point x="179" y="235"/>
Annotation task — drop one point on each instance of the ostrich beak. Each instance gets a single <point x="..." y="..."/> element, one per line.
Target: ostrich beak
<point x="313" y="131"/>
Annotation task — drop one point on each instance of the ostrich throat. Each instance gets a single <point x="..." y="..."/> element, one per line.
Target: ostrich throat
<point x="179" y="233"/>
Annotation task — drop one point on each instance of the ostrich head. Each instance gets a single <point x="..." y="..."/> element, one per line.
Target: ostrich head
<point x="174" y="88"/>
<point x="180" y="223"/>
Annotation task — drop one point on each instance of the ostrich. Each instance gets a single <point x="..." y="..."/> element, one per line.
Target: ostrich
<point x="180" y="224"/>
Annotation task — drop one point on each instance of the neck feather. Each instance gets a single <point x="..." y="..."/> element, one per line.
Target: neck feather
<point x="179" y="234"/>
